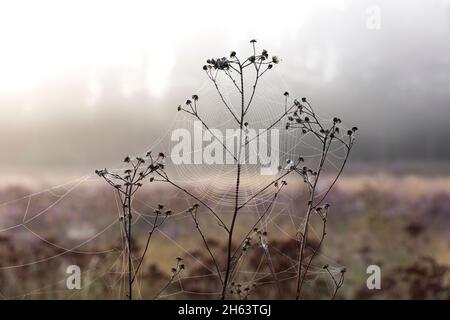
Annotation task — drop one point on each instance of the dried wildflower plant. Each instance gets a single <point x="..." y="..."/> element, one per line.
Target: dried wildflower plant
<point x="300" y="118"/>
<point x="127" y="182"/>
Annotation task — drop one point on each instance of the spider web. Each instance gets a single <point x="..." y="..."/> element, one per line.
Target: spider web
<point x="212" y="187"/>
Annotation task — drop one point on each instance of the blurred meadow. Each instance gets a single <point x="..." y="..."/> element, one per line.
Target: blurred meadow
<point x="398" y="222"/>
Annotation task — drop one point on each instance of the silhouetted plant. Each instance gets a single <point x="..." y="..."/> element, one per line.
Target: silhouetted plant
<point x="305" y="119"/>
<point x="176" y="271"/>
<point x="338" y="282"/>
<point x="127" y="183"/>
<point x="302" y="119"/>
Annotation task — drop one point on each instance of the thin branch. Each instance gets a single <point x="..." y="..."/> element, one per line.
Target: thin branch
<point x="205" y="242"/>
<point x="214" y="81"/>
<point x="166" y="179"/>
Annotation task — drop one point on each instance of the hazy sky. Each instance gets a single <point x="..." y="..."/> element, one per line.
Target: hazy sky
<point x="84" y="82"/>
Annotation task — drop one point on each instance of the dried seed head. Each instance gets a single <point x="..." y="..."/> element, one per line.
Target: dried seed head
<point x="336" y="120"/>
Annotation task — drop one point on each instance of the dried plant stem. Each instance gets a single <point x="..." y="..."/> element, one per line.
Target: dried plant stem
<point x="126" y="186"/>
<point x="337" y="283"/>
<point x="213" y="212"/>
<point x="175" y="272"/>
<point x="193" y="212"/>
<point x="315" y="251"/>
<point x="236" y="195"/>
<point x="304" y="234"/>
<point x="155" y="226"/>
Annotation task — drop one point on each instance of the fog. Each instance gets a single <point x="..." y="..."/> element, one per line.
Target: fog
<point x="82" y="83"/>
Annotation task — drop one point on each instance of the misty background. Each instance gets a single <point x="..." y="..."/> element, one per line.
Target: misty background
<point x="83" y="83"/>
